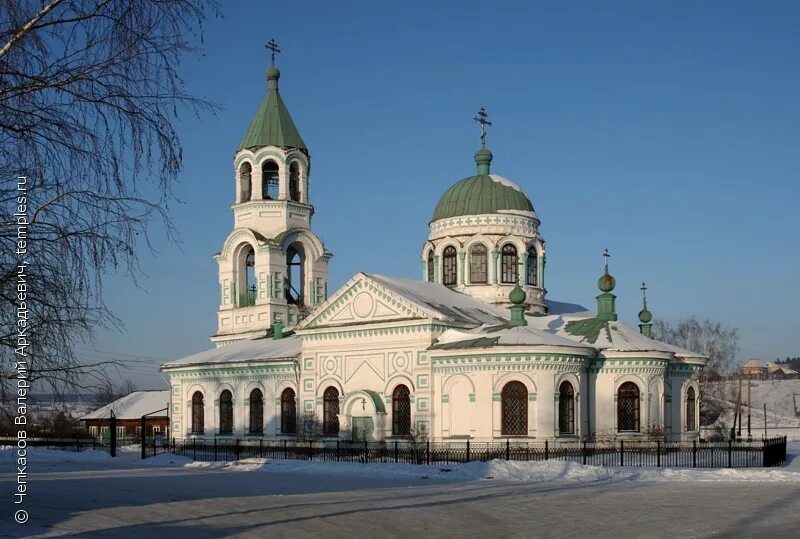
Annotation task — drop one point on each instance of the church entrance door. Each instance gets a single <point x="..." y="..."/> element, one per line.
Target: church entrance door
<point x="362" y="429"/>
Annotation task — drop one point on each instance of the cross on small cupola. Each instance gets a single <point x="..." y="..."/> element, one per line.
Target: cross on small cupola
<point x="483" y="119"/>
<point x="273" y="48"/>
<point x="606" y="256"/>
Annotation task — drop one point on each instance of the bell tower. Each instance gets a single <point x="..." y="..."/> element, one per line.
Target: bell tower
<point x="272" y="266"/>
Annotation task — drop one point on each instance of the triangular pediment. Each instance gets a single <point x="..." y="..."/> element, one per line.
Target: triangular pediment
<point x="362" y="301"/>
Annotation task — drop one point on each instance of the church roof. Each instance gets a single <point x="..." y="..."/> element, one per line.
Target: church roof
<point x="255" y="350"/>
<point x="505" y="335"/>
<point x="482" y="194"/>
<point x="605" y="335"/>
<point x="442" y="303"/>
<point x="272" y="125"/>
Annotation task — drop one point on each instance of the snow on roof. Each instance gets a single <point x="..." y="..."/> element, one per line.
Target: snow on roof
<point x="245" y="351"/>
<point x="505" y="181"/>
<point x="753" y="363"/>
<point x="615" y="335"/>
<point x="443" y="303"/>
<point x="134" y="405"/>
<point x="505" y="335"/>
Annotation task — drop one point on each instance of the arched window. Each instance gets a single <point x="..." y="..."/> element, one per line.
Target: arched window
<point x="330" y="412"/>
<point x="566" y="408"/>
<point x="248" y="296"/>
<point x="508" y="264"/>
<point x="533" y="267"/>
<point x="478" y="265"/>
<point x="430" y="268"/>
<point x="295" y="274"/>
<point x="225" y="412"/>
<point x="514" y="409"/>
<point x="401" y="411"/>
<point x="245" y="182"/>
<point x="449" y="266"/>
<point x="628" y="407"/>
<point x="288" y="412"/>
<point x="294" y="181"/>
<point x="691" y="410"/>
<point x="198" y="413"/>
<point x="256" y="412"/>
<point x="270" y="180"/>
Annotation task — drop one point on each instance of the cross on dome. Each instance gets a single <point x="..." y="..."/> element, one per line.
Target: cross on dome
<point x="272" y="46"/>
<point x="483" y="119"/>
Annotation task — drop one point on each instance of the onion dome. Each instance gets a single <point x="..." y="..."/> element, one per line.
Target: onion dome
<point x="606" y="282"/>
<point x="517" y="296"/>
<point x="483" y="193"/>
<point x="517" y="299"/>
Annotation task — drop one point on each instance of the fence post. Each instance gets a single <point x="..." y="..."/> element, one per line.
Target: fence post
<point x="154" y="445"/>
<point x="173" y="444"/>
<point x="730" y="453"/>
<point x="396" y="454"/>
<point x="366" y="452"/>
<point x="428" y="452"/>
<point x="508" y="450"/>
<point x="546" y="450"/>
<point x="622" y="452"/>
<point x="261" y="448"/>
<point x="310" y="450"/>
<point x="194" y="448"/>
<point x="215" y="449"/>
<point x="285" y="449"/>
<point x="658" y="453"/>
<point x="467" y="450"/>
<point x="337" y="450"/>
<point x="694" y="453"/>
<point x="236" y="449"/>
<point x="584" y="451"/>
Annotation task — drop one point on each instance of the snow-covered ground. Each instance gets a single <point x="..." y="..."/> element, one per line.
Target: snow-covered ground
<point x="91" y="494"/>
<point x="553" y="470"/>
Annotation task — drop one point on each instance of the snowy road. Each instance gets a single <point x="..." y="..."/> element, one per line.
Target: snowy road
<point x="131" y="499"/>
<point x="91" y="494"/>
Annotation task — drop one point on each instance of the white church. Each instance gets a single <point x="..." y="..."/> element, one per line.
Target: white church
<point x="473" y="351"/>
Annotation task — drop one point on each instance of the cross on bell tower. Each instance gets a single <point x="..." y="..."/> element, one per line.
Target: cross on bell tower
<point x="273" y="48"/>
<point x="483" y="119"/>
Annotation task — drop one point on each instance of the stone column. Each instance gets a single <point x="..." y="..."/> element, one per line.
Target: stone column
<point x="495" y="256"/>
<point x="462" y="257"/>
<point x="257" y="178"/>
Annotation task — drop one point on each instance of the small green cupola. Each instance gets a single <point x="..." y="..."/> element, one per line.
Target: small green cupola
<point x="272" y="124"/>
<point x="606" y="309"/>
<point x="517" y="298"/>
<point x="645" y="316"/>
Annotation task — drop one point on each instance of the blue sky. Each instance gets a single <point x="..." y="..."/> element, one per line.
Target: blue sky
<point x="665" y="131"/>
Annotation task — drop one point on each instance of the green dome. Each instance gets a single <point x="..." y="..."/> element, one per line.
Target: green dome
<point x="606" y="282"/>
<point x="485" y="193"/>
<point x="517" y="296"/>
<point x="645" y="316"/>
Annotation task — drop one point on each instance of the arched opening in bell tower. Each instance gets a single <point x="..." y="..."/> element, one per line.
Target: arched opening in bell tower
<point x="295" y="274"/>
<point x="246" y="290"/>
<point x="294" y="181"/>
<point x="245" y="182"/>
<point x="270" y="180"/>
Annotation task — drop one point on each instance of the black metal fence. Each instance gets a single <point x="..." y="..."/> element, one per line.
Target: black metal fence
<point x="62" y="444"/>
<point x="759" y="453"/>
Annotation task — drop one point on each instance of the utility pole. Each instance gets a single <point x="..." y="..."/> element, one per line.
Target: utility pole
<point x="749" y="408"/>
<point x="739" y="407"/>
